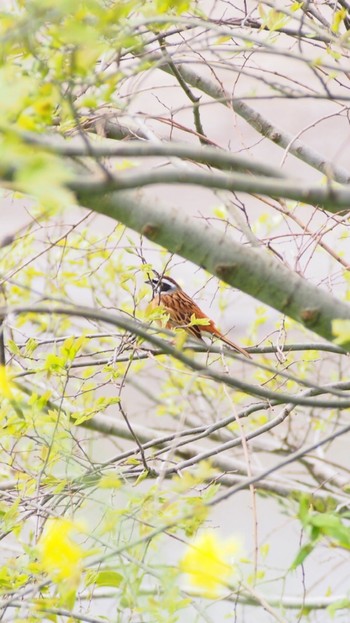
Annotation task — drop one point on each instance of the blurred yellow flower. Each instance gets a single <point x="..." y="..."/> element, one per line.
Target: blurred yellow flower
<point x="5" y="383"/>
<point x="209" y="562"/>
<point x="59" y="556"/>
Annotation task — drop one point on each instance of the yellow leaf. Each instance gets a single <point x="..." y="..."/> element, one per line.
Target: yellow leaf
<point x="296" y="6"/>
<point x="338" y="18"/>
<point x="124" y="165"/>
<point x="180" y="340"/>
<point x="223" y="39"/>
<point x="220" y="212"/>
<point x="110" y="481"/>
<point x="341" y="331"/>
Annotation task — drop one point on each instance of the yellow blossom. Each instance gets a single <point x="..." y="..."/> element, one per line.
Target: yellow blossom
<point x="209" y="563"/>
<point x="5" y="383"/>
<point x="59" y="556"/>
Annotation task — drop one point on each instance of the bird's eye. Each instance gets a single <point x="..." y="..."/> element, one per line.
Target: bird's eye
<point x="156" y="284"/>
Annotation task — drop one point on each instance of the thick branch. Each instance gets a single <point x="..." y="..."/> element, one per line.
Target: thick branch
<point x="251" y="270"/>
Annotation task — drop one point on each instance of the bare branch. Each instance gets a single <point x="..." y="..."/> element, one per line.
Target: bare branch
<point x="141" y="330"/>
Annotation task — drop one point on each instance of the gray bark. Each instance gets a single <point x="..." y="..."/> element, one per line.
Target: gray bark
<point x="253" y="271"/>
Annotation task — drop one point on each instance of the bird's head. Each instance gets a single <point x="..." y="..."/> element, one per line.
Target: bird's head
<point x="162" y="284"/>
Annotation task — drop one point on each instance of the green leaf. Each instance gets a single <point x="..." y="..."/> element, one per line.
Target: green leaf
<point x="341" y="604"/>
<point x="30" y="347"/>
<point x="107" y="577"/>
<point x="71" y="346"/>
<point x="304" y="509"/>
<point x="303" y="553"/>
<point x="44" y="178"/>
<point x="13" y="348"/>
<point x="198" y="321"/>
<point x="54" y="363"/>
<point x="331" y="525"/>
<point x="142" y="476"/>
<point x="177" y="6"/>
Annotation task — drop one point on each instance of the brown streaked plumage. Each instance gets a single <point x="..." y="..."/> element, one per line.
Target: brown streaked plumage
<point x="180" y="307"/>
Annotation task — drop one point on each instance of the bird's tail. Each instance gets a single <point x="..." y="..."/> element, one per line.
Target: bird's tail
<point x="234" y="346"/>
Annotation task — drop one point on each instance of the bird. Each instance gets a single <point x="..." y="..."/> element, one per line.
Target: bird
<point x="181" y="308"/>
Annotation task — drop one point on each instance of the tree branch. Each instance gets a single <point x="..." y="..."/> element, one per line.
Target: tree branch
<point x="141" y="330"/>
<point x="254" y="272"/>
<point x="332" y="197"/>
<point x="264" y="127"/>
<point x="108" y="147"/>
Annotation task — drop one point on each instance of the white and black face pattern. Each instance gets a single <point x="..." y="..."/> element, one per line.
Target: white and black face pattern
<point x="163" y="285"/>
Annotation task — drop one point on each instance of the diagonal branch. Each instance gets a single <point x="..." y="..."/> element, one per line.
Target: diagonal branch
<point x="264" y="127"/>
<point x="253" y="271"/>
